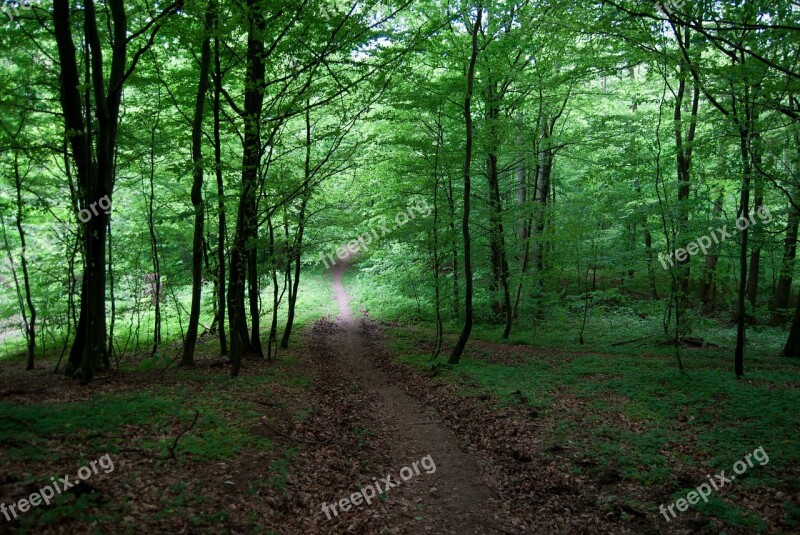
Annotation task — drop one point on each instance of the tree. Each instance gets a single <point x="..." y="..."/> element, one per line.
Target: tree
<point x="455" y="356"/>
<point x="197" y="188"/>
<point x="93" y="153"/>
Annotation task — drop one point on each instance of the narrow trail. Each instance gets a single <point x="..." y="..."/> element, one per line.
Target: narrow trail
<point x="454" y="499"/>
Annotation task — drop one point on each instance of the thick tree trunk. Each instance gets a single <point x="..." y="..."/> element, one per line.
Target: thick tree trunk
<point x="88" y="351"/>
<point x="780" y="300"/>
<point x="458" y="350"/>
<point x="95" y="171"/>
<point x="792" y="347"/>
<point x="244" y="250"/>
<point x="239" y="335"/>
<point x="197" y="190"/>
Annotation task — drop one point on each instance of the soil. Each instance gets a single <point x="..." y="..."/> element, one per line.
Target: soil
<point x="456" y="498"/>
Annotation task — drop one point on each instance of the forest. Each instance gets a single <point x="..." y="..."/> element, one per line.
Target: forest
<point x="399" y="266"/>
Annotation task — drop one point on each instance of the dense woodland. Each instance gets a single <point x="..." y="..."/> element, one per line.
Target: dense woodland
<point x="178" y="182"/>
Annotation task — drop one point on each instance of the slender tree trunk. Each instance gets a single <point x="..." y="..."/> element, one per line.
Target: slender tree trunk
<point x="708" y="282"/>
<point x="458" y="350"/>
<point x="755" y="253"/>
<point x="30" y="323"/>
<point x="437" y="346"/>
<point x="541" y="196"/>
<point x="648" y="235"/>
<point x="745" y="208"/>
<point x="254" y="297"/>
<point x="23" y="313"/>
<point x="492" y="116"/>
<point x="111" y="294"/>
<point x="197" y="190"/>
<point x="297" y="251"/>
<point x="456" y="305"/>
<point x="272" y="340"/>
<point x="522" y="194"/>
<point x="684" y="146"/>
<point x="151" y="225"/>
<point x="223" y="340"/>
<point x="500" y="271"/>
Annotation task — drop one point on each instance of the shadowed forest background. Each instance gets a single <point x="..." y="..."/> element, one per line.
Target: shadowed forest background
<point x="564" y="233"/>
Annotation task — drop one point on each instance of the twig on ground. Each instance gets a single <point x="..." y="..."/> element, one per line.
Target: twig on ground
<point x="171" y="454"/>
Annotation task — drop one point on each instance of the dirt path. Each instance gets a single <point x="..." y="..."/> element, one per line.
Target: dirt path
<point x="453" y="499"/>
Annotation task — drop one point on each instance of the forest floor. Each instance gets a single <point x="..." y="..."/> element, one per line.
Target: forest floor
<point x="523" y="440"/>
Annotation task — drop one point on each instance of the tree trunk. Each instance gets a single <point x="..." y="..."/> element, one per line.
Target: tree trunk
<point x="95" y="171"/>
<point x="541" y="195"/>
<point x="708" y="283"/>
<point x="273" y="263"/>
<point x="648" y="235"/>
<point x="151" y="225"/>
<point x="780" y="300"/>
<point x="223" y="340"/>
<point x="297" y="251"/>
<point x="239" y="336"/>
<point x="683" y="153"/>
<point x="522" y="190"/>
<point x="254" y="295"/>
<point x="744" y="145"/>
<point x="243" y="252"/>
<point x="30" y="323"/>
<point x="458" y="350"/>
<point x="197" y="190"/>
<point x="456" y="305"/>
<point x="758" y="233"/>
<point x="437" y="346"/>
<point x="792" y="347"/>
<point x="502" y="305"/>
